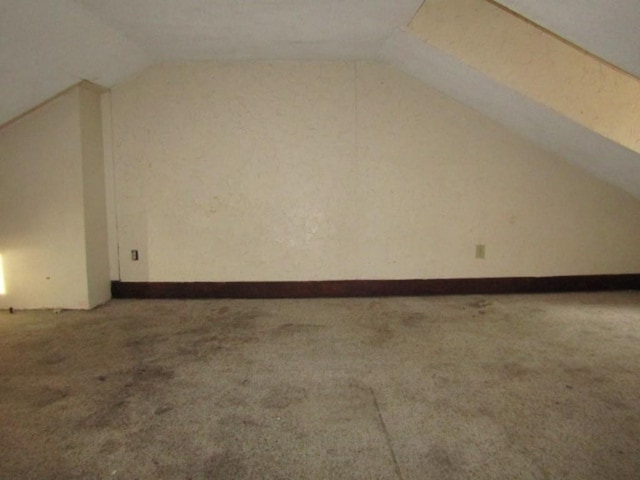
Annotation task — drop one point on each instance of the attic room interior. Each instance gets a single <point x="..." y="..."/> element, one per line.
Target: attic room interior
<point x="319" y="239"/>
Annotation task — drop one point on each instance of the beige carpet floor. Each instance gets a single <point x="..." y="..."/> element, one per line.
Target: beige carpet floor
<point x="477" y="387"/>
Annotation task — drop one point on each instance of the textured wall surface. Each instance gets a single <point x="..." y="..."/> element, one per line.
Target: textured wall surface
<point x="53" y="240"/>
<point x="340" y="170"/>
<point x="42" y="238"/>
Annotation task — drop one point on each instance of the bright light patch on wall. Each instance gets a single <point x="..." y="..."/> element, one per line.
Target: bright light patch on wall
<point x="3" y="290"/>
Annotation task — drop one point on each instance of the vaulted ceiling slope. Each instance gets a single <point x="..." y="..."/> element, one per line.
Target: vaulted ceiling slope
<point x="521" y="76"/>
<point x="607" y="29"/>
<point x="256" y="29"/>
<point x="49" y="45"/>
<point x="542" y="125"/>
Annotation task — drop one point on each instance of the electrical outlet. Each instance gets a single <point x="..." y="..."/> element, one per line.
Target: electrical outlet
<point x="134" y="255"/>
<point x="480" y="251"/>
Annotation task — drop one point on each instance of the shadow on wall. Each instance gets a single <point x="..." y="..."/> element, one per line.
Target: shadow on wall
<point x="3" y="290"/>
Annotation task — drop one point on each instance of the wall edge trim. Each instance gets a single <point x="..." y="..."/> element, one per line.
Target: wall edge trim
<point x="375" y="288"/>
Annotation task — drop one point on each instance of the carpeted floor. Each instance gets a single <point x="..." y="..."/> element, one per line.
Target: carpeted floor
<point x="491" y="387"/>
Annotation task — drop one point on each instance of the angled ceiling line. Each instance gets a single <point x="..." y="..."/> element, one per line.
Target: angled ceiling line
<point x="567" y="42"/>
<point x="82" y="83"/>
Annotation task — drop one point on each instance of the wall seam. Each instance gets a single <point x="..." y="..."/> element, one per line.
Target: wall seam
<point x="356" y="121"/>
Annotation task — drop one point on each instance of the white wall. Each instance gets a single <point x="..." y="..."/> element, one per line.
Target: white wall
<point x="49" y="197"/>
<point x="343" y="170"/>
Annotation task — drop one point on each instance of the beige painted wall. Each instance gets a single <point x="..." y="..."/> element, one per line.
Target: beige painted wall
<point x="343" y="170"/>
<point x="95" y="208"/>
<point x="49" y="198"/>
<point x="110" y="186"/>
<point x="532" y="61"/>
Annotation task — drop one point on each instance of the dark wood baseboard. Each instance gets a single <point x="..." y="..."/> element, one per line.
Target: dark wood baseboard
<point x="375" y="288"/>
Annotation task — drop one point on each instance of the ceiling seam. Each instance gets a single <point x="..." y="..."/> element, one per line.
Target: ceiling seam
<point x="569" y="43"/>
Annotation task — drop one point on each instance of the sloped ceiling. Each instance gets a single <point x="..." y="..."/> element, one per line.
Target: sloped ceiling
<point x="607" y="29"/>
<point x="585" y="148"/>
<point x="262" y="29"/>
<point x="49" y="45"/>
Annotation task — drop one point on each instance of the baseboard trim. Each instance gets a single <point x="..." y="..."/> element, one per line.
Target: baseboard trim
<point x="375" y="288"/>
